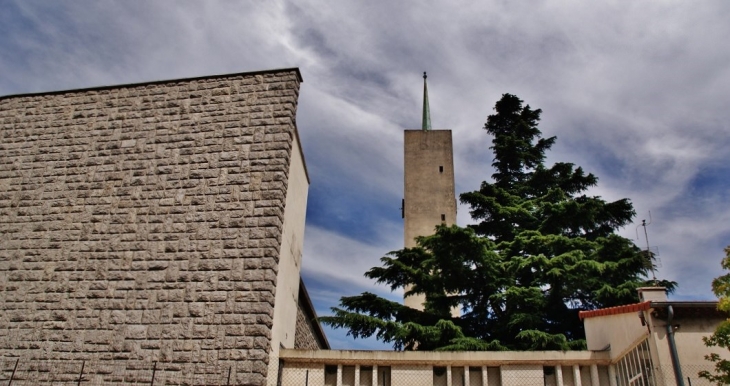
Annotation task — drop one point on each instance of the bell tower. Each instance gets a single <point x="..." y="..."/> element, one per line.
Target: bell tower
<point x="429" y="197"/>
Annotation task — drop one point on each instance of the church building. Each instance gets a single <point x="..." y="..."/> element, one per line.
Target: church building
<point x="152" y="234"/>
<point x="429" y="192"/>
<point x="154" y="226"/>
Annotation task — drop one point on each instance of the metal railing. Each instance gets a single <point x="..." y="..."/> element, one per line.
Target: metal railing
<point x="319" y="374"/>
<point x="314" y="374"/>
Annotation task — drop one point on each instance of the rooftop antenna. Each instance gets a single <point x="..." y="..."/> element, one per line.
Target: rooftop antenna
<point x="649" y="253"/>
<point x="426" y="122"/>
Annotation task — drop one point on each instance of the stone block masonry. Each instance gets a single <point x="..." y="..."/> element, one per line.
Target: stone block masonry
<point x="144" y="222"/>
<point x="309" y="334"/>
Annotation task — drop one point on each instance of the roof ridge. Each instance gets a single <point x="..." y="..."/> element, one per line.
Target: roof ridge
<point x="643" y="306"/>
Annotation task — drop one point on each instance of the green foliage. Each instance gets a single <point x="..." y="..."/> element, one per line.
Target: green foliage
<point x="721" y="337"/>
<point x="542" y="251"/>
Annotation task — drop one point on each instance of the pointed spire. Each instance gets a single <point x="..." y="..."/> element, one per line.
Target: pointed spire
<point x="426" y="124"/>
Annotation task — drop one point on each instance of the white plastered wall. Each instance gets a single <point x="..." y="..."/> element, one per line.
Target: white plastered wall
<point x="688" y="338"/>
<point x="290" y="259"/>
<point x="621" y="331"/>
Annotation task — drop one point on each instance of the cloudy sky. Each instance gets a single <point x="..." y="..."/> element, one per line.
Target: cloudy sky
<point x="636" y="92"/>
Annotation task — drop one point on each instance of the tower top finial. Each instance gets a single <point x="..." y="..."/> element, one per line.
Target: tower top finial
<point x="426" y="122"/>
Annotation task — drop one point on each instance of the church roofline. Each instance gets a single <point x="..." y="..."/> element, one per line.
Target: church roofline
<point x="166" y="81"/>
<point x="155" y="82"/>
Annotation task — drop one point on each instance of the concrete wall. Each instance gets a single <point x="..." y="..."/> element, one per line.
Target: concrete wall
<point x="572" y="369"/>
<point x="689" y="331"/>
<point x="429" y="187"/>
<point x="290" y="260"/>
<point x="621" y="331"/>
<point x="146" y="221"/>
<point x="443" y="358"/>
<point x="625" y="330"/>
<point x="429" y="192"/>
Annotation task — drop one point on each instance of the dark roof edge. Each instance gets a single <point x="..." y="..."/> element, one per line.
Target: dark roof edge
<point x="685" y="304"/>
<point x="125" y="85"/>
<point x="303" y="294"/>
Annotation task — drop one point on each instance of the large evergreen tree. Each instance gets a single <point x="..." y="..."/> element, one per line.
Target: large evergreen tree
<point x="541" y="251"/>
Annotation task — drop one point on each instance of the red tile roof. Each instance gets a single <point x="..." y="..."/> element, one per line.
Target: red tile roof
<point x="643" y="306"/>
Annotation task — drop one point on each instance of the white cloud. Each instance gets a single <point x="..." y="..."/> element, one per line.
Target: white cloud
<point x="332" y="257"/>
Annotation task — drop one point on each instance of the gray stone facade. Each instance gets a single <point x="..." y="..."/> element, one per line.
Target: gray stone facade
<point x="309" y="334"/>
<point x="144" y="222"/>
<point x="305" y="338"/>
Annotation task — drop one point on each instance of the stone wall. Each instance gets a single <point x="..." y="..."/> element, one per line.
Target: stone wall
<point x="305" y="338"/>
<point x="309" y="334"/>
<point x="143" y="222"/>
